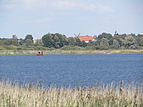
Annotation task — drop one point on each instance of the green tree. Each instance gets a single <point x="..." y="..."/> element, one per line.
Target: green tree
<point x="130" y="42"/>
<point x="102" y="44"/>
<point x="105" y="35"/>
<point x="28" y="37"/>
<point x="120" y="39"/>
<point x="54" y="40"/>
<point x="139" y="39"/>
<point x="62" y="40"/>
<point x="115" y="44"/>
<point x="91" y="43"/>
<point x="82" y="44"/>
<point x="28" y="41"/>
<point x="14" y="40"/>
<point x="72" y="41"/>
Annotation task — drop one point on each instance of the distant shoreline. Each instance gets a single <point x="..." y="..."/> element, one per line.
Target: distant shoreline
<point x="58" y="51"/>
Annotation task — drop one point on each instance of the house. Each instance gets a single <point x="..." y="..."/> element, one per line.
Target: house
<point x="86" y="38"/>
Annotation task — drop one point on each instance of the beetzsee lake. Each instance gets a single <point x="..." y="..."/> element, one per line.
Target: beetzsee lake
<point x="72" y="70"/>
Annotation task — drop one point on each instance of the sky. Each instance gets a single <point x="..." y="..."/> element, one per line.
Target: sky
<point x="69" y="17"/>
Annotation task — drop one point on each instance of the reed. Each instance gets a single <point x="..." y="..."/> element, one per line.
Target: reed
<point x="34" y="95"/>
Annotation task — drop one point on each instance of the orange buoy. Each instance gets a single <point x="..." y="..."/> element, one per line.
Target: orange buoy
<point x="40" y="53"/>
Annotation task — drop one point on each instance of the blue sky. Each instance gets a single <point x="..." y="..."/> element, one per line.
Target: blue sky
<point x="88" y="17"/>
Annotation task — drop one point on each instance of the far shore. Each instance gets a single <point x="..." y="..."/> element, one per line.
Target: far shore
<point x="59" y="51"/>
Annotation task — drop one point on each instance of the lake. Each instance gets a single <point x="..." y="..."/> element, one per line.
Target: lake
<point x="72" y="70"/>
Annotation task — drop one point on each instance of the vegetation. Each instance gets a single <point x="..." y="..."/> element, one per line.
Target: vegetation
<point x="104" y="41"/>
<point x="34" y="95"/>
<point x="68" y="50"/>
<point x="54" y="40"/>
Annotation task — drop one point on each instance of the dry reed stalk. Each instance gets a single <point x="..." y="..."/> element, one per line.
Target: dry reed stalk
<point x="33" y="95"/>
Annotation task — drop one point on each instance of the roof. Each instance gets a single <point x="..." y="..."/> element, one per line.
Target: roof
<point x="86" y="38"/>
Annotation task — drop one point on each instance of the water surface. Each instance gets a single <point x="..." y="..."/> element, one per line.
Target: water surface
<point x="72" y="70"/>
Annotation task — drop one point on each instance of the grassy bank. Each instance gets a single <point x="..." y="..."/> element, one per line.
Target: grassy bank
<point x="120" y="95"/>
<point x="59" y="51"/>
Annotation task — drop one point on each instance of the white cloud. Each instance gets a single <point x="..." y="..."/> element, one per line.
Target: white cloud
<point x="24" y="3"/>
<point x="71" y="4"/>
<point x="58" y="4"/>
<point x="7" y="5"/>
<point x="99" y="8"/>
<point x="39" y="20"/>
<point x="44" y="20"/>
<point x="34" y="3"/>
<point x="64" y="4"/>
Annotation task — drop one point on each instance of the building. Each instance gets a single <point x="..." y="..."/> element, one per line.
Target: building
<point x="38" y="42"/>
<point x="86" y="38"/>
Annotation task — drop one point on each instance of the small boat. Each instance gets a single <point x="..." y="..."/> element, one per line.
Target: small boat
<point x="40" y="53"/>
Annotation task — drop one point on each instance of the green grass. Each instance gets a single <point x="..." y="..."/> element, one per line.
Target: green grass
<point x="33" y="95"/>
<point x="59" y="51"/>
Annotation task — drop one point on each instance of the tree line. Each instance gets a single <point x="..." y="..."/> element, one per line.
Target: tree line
<point x="102" y="41"/>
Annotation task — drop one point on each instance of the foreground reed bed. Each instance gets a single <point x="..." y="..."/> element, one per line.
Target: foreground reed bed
<point x="31" y="95"/>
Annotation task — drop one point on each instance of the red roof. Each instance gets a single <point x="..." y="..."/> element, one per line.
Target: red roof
<point x="86" y="38"/>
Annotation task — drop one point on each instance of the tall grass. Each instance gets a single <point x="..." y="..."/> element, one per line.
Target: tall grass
<point x="30" y="95"/>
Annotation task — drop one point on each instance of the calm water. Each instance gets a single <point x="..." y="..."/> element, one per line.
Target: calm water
<point x="73" y="70"/>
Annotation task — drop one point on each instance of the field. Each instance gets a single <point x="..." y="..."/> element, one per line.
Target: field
<point x="34" y="95"/>
<point x="60" y="51"/>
